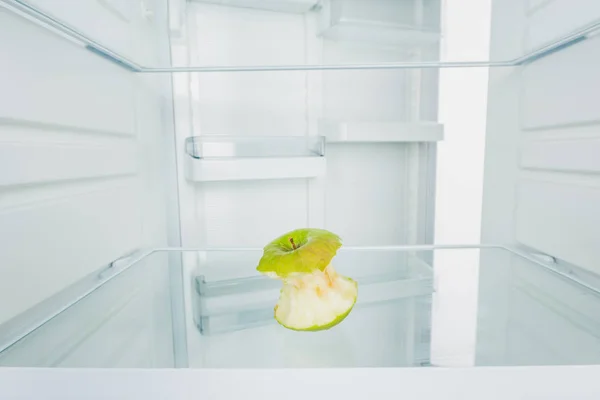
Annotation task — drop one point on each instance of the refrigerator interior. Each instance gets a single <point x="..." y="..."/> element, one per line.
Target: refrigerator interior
<point x="143" y="167"/>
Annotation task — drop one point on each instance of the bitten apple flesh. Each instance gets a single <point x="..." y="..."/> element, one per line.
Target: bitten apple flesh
<point x="315" y="301"/>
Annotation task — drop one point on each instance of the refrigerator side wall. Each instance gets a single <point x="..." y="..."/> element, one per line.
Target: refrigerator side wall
<point x="542" y="182"/>
<point x="84" y="175"/>
<point x="541" y="186"/>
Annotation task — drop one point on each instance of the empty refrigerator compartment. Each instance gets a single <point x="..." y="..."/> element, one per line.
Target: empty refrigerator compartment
<point x="380" y="131"/>
<point x="221" y="158"/>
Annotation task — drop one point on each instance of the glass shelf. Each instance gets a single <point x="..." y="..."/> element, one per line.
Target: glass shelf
<point x="245" y="35"/>
<point x="454" y="306"/>
<point x="119" y="316"/>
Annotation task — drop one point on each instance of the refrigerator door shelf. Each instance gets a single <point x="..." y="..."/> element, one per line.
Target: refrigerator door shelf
<point x="254" y="169"/>
<point x="225" y="158"/>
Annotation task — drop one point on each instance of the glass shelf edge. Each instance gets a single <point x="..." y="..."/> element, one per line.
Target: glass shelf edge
<point x="560" y="44"/>
<point x="420" y="247"/>
<point x="39" y="17"/>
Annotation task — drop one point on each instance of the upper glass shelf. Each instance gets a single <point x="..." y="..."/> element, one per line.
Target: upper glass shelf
<point x="422" y="306"/>
<point x="168" y="36"/>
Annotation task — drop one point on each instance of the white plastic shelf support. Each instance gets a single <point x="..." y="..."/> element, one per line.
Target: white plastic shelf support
<point x="380" y="132"/>
<point x="226" y="158"/>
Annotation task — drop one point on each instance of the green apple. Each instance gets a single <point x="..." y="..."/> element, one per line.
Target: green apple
<point x="314" y="296"/>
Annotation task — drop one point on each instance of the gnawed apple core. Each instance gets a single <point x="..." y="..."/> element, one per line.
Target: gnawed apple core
<point x="315" y="301"/>
<point x="314" y="296"/>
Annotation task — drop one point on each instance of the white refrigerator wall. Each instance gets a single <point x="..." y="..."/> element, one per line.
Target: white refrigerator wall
<point x="84" y="165"/>
<point x="380" y="128"/>
<point x="542" y="186"/>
